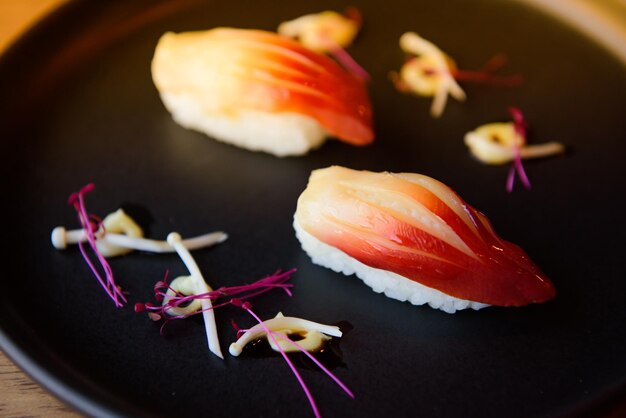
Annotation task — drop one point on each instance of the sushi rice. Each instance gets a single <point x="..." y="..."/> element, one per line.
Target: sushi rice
<point x="381" y="281"/>
<point x="281" y="134"/>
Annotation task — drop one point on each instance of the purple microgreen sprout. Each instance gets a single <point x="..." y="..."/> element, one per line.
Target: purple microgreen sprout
<point x="272" y="335"/>
<point x="348" y="62"/>
<point x="520" y="126"/>
<point x="302" y="349"/>
<point x="186" y="305"/>
<point x="117" y="222"/>
<point x="330" y="33"/>
<point x="486" y="73"/>
<point x="341" y="54"/>
<point x="175" y="240"/>
<point x="91" y="224"/>
<point x="175" y="298"/>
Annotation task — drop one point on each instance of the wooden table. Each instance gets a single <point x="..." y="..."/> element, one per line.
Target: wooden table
<point x="19" y="395"/>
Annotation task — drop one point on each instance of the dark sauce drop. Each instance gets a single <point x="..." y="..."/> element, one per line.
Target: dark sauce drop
<point x="330" y="354"/>
<point x="140" y="214"/>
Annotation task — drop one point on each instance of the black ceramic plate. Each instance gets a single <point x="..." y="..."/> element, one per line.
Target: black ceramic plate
<point x="78" y="105"/>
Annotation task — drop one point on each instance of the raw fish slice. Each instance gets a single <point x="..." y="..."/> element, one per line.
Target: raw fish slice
<point x="420" y="230"/>
<point x="226" y="75"/>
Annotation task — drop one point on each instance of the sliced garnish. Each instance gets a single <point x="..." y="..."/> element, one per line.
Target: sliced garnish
<point x="274" y="335"/>
<point x="430" y="72"/>
<point x="62" y="237"/>
<point x="116" y="235"/>
<point x="178" y="299"/>
<point x="323" y="31"/>
<point x="501" y="143"/>
<point x="330" y="33"/>
<point x="314" y="334"/>
<point x="117" y="222"/>
<point x="191" y="295"/>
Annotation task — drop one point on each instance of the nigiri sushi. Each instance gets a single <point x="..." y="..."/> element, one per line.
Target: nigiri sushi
<point x="413" y="238"/>
<point x="260" y="91"/>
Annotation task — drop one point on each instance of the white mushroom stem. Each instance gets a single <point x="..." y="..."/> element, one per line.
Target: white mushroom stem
<point x="61" y="238"/>
<point x="283" y="325"/>
<point x="496" y="143"/>
<point x="542" y="150"/>
<point x="185" y="285"/>
<point x="412" y="43"/>
<point x="175" y="240"/>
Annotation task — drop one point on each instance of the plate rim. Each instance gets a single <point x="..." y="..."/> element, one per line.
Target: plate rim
<point x="88" y="403"/>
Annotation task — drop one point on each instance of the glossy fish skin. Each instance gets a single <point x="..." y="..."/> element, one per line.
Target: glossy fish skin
<point x="419" y="228"/>
<point x="238" y="69"/>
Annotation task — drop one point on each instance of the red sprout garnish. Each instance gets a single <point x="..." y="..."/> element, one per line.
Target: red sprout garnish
<point x="341" y="55"/>
<point x="317" y="362"/>
<point x="278" y="280"/>
<point x="91" y="224"/>
<point x="247" y="306"/>
<point x="520" y="127"/>
<point x="354" y="14"/>
<point x="237" y="328"/>
<point x="486" y="73"/>
<point x="345" y="59"/>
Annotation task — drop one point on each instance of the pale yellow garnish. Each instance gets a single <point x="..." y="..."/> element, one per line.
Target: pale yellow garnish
<point x="429" y="73"/>
<point x="321" y="32"/>
<point x="118" y="222"/>
<point x="495" y="143"/>
<point x="182" y="285"/>
<point x="313" y="334"/>
<point x="120" y="234"/>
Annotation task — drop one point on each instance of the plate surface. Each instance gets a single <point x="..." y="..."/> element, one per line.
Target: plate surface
<point x="78" y="105"/>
